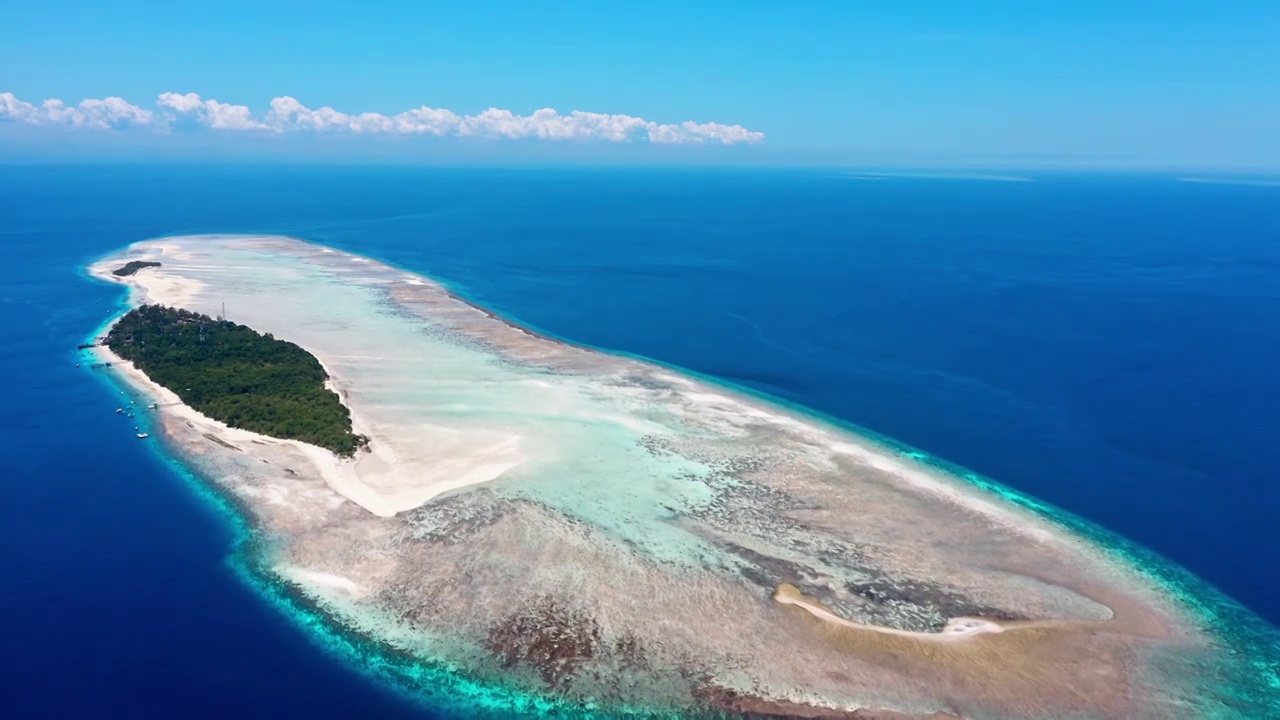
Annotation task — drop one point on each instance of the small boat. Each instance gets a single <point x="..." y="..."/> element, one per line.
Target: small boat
<point x="153" y="406"/>
<point x="143" y="436"/>
<point x="128" y="415"/>
<point x="119" y="410"/>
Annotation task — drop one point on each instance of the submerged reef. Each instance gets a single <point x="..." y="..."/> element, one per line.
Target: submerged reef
<point x="540" y="528"/>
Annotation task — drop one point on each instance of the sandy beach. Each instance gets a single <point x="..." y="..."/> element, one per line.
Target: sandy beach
<point x="378" y="480"/>
<point x="393" y="475"/>
<point x="956" y="629"/>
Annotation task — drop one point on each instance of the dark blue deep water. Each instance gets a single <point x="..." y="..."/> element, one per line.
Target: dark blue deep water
<point x="1108" y="343"/>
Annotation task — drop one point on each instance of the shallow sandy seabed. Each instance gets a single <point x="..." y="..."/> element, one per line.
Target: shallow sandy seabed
<point x="609" y="531"/>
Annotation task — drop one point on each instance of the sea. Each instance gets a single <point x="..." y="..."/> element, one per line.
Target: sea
<point x="1108" y="343"/>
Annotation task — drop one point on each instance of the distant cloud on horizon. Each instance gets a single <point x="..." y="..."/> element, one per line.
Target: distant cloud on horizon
<point x="286" y="114"/>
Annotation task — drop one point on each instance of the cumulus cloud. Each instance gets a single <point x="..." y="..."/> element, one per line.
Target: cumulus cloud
<point x="287" y="114"/>
<point x="219" y="116"/>
<point x="110" y="112"/>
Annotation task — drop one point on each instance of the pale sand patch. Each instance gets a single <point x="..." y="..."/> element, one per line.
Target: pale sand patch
<point x="396" y="473"/>
<point x="960" y="628"/>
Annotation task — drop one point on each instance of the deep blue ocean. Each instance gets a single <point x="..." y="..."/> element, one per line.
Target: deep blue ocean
<point x="1108" y="343"/>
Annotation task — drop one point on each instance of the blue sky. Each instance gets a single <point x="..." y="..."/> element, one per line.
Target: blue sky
<point x="1117" y="84"/>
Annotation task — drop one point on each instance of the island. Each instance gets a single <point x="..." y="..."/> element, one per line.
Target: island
<point x="235" y="375"/>
<point x="132" y="267"/>
<point x="536" y="528"/>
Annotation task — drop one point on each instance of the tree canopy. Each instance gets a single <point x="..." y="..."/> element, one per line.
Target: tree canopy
<point x="233" y="374"/>
<point x="133" y="266"/>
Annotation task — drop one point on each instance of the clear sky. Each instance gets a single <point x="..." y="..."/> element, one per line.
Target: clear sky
<point x="1092" y="82"/>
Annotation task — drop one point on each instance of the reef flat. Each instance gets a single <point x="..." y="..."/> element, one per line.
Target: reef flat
<point x="599" y="533"/>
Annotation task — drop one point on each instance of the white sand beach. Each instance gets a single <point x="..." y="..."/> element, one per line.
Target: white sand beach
<point x="403" y="467"/>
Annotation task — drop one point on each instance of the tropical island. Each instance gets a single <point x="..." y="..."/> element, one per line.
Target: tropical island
<point x="235" y="375"/>
<point x="543" y="529"/>
<point x="132" y="267"/>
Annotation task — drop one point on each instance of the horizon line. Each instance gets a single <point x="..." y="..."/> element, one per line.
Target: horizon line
<point x="938" y="168"/>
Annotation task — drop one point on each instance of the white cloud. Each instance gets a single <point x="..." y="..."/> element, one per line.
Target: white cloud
<point x="547" y="124"/>
<point x="287" y="114"/>
<point x="712" y="132"/>
<point x="110" y="112"/>
<point x="188" y="103"/>
<point x="219" y="116"/>
<point x="11" y="108"/>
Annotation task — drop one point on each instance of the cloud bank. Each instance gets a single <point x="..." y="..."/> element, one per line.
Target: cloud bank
<point x="174" y="110"/>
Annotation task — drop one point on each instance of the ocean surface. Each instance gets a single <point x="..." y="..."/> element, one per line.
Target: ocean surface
<point x="1107" y="343"/>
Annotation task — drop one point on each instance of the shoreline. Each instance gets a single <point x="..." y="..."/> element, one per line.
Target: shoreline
<point x="343" y="475"/>
<point x="931" y="471"/>
<point x="329" y="466"/>
<point x="421" y="682"/>
<point x="325" y="462"/>
<point x="904" y="460"/>
<point x="937" y="469"/>
<point x="911" y="466"/>
<point x="1190" y="589"/>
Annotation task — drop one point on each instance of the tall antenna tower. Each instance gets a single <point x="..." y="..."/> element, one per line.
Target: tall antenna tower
<point x="222" y="316"/>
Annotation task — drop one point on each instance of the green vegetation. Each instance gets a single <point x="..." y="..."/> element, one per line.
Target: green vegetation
<point x="233" y="374"/>
<point x="133" y="266"/>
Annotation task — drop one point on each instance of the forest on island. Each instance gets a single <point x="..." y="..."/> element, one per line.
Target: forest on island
<point x="133" y="266"/>
<point x="236" y="375"/>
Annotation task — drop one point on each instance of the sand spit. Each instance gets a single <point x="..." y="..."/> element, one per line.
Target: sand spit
<point x="956" y="629"/>
<point x="597" y="529"/>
